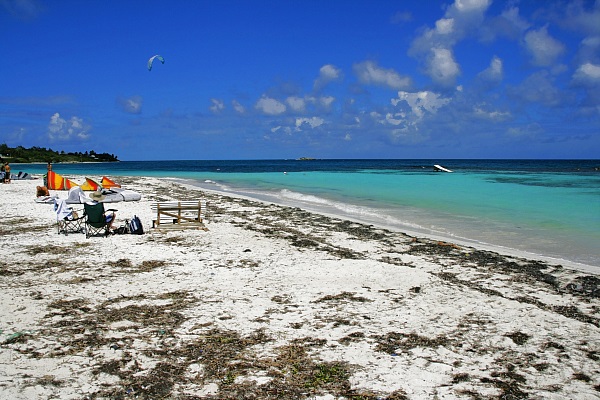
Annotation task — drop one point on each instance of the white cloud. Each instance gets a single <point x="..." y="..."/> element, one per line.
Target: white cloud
<point x="472" y="5"/>
<point x="508" y="24"/>
<point x="326" y="101"/>
<point x="587" y="74"/>
<point x="434" y="47"/>
<point x="327" y="74"/>
<point x="515" y="22"/>
<point x="528" y="132"/>
<point x="543" y="48"/>
<point x="313" y="122"/>
<point x="270" y="106"/>
<point x="589" y="50"/>
<point x="405" y="119"/>
<point x="579" y="18"/>
<point x="217" y="106"/>
<point x="131" y="105"/>
<point x="444" y="26"/>
<point x="297" y="104"/>
<point x="368" y="72"/>
<point x="494" y="72"/>
<point x="61" y="129"/>
<point x="420" y="102"/>
<point x="442" y="66"/>
<point x="393" y="120"/>
<point x="459" y="20"/>
<point x="539" y="87"/>
<point x="490" y="115"/>
<point x="238" y="107"/>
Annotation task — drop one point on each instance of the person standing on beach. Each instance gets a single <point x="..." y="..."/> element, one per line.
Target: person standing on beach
<point x="49" y="168"/>
<point x="6" y="173"/>
<point x="2" y="169"/>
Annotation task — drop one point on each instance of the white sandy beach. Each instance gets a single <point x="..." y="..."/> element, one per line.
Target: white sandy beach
<point x="276" y="302"/>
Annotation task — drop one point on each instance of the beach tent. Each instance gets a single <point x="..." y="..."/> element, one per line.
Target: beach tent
<point x="58" y="182"/>
<point x="107" y="183"/>
<point x="90" y="185"/>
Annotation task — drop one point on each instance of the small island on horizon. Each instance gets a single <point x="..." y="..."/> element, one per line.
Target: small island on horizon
<point x="35" y="154"/>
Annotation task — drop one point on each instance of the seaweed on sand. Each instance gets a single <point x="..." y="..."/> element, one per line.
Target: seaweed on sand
<point x="393" y="342"/>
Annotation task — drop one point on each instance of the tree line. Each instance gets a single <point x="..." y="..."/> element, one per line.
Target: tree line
<point x="20" y="154"/>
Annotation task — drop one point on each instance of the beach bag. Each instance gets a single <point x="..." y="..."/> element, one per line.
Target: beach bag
<point x="135" y="226"/>
<point x="121" y="230"/>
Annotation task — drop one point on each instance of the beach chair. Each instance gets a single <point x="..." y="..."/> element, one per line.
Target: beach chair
<point x="67" y="219"/>
<point x="96" y="219"/>
<point x="182" y="214"/>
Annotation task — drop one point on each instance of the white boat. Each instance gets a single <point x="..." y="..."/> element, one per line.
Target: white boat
<point x="439" y="168"/>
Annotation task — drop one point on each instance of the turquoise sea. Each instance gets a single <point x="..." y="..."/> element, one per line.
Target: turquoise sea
<point x="548" y="208"/>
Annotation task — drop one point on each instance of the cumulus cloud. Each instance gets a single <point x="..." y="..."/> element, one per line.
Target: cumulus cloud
<point x="581" y="19"/>
<point x="482" y="113"/>
<point x="544" y="49"/>
<point x="368" y="72"/>
<point x="539" y="87"/>
<point x="508" y="24"/>
<point x="217" y="106"/>
<point x="240" y="109"/>
<point x="297" y="104"/>
<point x="270" y="106"/>
<point x="529" y="131"/>
<point x="326" y="101"/>
<point x="131" y="105"/>
<point x="327" y="74"/>
<point x="395" y="119"/>
<point x="444" y="26"/>
<point x="420" y="103"/>
<point x="589" y="50"/>
<point x="472" y="5"/>
<point x="62" y="129"/>
<point x="587" y="74"/>
<point x="411" y="109"/>
<point x="442" y="67"/>
<point x="494" y="72"/>
<point x="313" y="122"/>
<point x="434" y="47"/>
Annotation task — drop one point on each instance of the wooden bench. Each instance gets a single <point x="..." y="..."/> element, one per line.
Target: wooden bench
<point x="178" y="214"/>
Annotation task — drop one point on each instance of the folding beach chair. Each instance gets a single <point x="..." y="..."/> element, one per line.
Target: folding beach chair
<point x="96" y="219"/>
<point x="67" y="219"/>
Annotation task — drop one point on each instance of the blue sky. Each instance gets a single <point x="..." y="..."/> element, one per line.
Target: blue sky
<point x="314" y="78"/>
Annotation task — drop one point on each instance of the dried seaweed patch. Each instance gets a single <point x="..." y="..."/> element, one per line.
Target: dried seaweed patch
<point x="392" y="342"/>
<point x="343" y="296"/>
<point x="519" y="338"/>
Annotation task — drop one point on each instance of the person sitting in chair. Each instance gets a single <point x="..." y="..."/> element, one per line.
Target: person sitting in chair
<point x="97" y="197"/>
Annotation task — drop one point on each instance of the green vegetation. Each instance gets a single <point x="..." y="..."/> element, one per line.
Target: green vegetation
<point x="20" y="154"/>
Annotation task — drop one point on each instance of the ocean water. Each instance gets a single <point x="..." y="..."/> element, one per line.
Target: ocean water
<point x="545" y="208"/>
